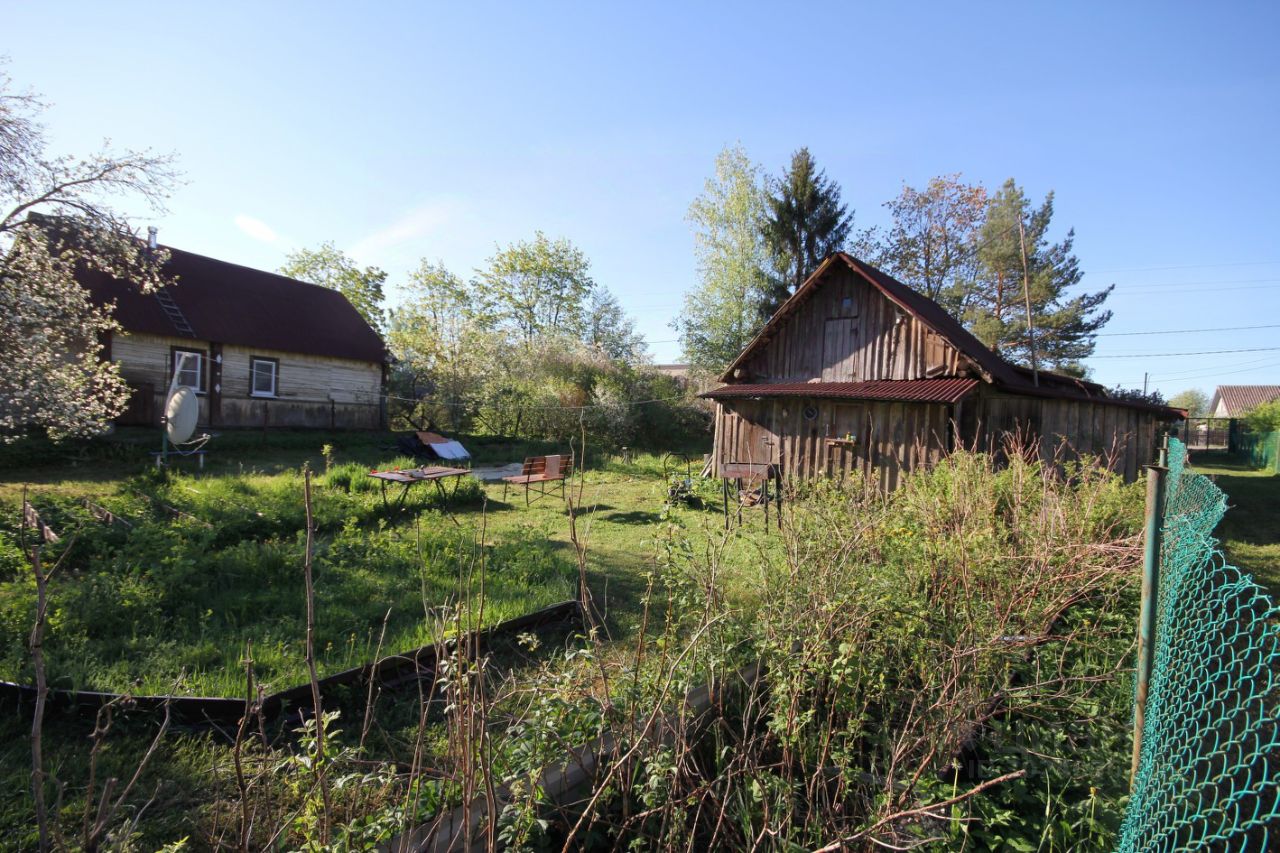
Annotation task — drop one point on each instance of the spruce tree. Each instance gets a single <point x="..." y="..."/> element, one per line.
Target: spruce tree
<point x="804" y="222"/>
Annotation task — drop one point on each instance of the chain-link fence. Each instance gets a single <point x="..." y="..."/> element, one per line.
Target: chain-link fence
<point x="1208" y="775"/>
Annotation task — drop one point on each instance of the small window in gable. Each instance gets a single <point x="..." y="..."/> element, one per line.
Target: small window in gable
<point x="188" y="368"/>
<point x="263" y="376"/>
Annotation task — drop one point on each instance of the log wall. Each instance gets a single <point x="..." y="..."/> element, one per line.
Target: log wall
<point x="312" y="391"/>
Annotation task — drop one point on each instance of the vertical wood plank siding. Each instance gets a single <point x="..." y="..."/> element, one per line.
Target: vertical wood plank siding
<point x="890" y="437"/>
<point x="879" y="342"/>
<point x="848" y="331"/>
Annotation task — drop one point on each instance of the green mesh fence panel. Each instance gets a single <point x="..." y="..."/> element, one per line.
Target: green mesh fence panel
<point x="1209" y="772"/>
<point x="1262" y="449"/>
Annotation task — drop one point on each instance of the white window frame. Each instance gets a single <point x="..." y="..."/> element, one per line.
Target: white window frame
<point x="254" y="361"/>
<point x="176" y="354"/>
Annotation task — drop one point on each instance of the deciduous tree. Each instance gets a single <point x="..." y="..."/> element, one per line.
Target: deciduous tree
<point x="611" y="331"/>
<point x="932" y="243"/>
<point x="540" y="287"/>
<point x="330" y="267"/>
<point x="1195" y="401"/>
<point x="725" y="309"/>
<point x="54" y="377"/>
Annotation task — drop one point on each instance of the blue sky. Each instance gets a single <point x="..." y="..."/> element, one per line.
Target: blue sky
<point x="408" y="130"/>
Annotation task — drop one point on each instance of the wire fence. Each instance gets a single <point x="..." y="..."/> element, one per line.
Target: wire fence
<point x="1208" y="775"/>
<point x="1262" y="449"/>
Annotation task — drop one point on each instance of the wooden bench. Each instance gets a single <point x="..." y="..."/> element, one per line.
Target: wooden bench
<point x="538" y="471"/>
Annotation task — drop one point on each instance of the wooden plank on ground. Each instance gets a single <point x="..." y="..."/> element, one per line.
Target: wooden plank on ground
<point x="32" y="519"/>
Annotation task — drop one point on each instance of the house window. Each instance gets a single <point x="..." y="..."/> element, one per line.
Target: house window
<point x="188" y="368"/>
<point x="262" y="376"/>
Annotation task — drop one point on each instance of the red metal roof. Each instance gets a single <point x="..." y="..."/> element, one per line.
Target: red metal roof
<point x="913" y="390"/>
<point x="231" y="304"/>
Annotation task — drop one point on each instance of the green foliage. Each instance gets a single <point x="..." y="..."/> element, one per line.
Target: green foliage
<point x="804" y="222"/>
<point x="1195" y="401"/>
<point x="1264" y="418"/>
<point x="933" y="241"/>
<point x="996" y="306"/>
<point x="723" y="312"/>
<point x="328" y="266"/>
<point x="970" y="624"/>
<point x="540" y="288"/>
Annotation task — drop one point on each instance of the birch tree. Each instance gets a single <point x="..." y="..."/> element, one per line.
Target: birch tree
<point x="727" y="306"/>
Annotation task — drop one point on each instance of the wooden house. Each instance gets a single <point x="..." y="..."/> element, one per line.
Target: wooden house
<point x="858" y="373"/>
<point x="262" y="350"/>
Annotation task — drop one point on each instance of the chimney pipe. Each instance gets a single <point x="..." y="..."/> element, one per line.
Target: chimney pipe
<point x="151" y="237"/>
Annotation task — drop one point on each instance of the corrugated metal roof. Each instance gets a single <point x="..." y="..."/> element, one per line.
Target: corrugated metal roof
<point x="231" y="304"/>
<point x="1239" y="399"/>
<point x="914" y="390"/>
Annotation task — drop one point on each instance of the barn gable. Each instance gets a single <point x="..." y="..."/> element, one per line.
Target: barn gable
<point x="844" y="329"/>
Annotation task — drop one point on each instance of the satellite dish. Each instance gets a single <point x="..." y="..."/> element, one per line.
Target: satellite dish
<point x="180" y="415"/>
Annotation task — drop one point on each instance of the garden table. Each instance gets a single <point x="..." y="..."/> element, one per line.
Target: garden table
<point x="413" y="476"/>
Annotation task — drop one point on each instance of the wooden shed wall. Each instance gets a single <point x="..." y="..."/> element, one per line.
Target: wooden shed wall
<point x="848" y="331"/>
<point x="1123" y="436"/>
<point x="890" y="438"/>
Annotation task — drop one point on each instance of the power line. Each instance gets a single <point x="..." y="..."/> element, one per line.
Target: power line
<point x="1172" y="354"/>
<point x="1189" y="377"/>
<point x="1187" y="267"/>
<point x="1224" y="370"/>
<point x="1187" y="331"/>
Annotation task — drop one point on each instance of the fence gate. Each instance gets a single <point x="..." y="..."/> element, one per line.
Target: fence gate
<point x="1208" y="433"/>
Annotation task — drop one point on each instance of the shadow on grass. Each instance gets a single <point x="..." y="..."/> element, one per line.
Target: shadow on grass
<point x="637" y="516"/>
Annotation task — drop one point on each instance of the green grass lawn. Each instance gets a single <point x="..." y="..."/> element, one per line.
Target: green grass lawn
<point x="133" y="608"/>
<point x="1250" y="531"/>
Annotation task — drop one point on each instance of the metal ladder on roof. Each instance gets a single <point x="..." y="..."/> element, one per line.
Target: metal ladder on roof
<point x="174" y="313"/>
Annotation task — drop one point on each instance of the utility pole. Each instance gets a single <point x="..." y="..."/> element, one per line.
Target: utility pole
<point x="1144" y="383"/>
<point x="1026" y="295"/>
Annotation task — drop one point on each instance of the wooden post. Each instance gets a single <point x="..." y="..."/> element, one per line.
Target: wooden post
<point x="1150" y="592"/>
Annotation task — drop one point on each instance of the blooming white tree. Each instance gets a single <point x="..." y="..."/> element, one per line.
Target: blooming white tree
<point x="55" y="221"/>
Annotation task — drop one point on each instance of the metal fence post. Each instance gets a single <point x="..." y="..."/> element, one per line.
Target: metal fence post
<point x="1150" y="591"/>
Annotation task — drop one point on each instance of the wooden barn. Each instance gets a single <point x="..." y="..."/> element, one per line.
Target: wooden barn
<point x="262" y="350"/>
<point x="858" y="373"/>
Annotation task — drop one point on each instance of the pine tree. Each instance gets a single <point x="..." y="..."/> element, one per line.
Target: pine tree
<point x="804" y="223"/>
<point x="1064" y="326"/>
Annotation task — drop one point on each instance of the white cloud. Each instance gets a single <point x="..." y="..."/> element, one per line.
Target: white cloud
<point x="420" y="221"/>
<point x="256" y="228"/>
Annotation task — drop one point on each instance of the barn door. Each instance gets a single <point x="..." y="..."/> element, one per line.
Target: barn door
<point x="839" y="350"/>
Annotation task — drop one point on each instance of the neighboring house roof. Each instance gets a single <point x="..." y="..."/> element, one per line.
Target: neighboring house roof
<point x="1008" y="377"/>
<point x="1239" y="399"/>
<point x="915" y="390"/>
<point x="232" y="304"/>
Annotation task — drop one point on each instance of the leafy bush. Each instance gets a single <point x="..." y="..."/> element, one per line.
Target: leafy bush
<point x="1264" y="418"/>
